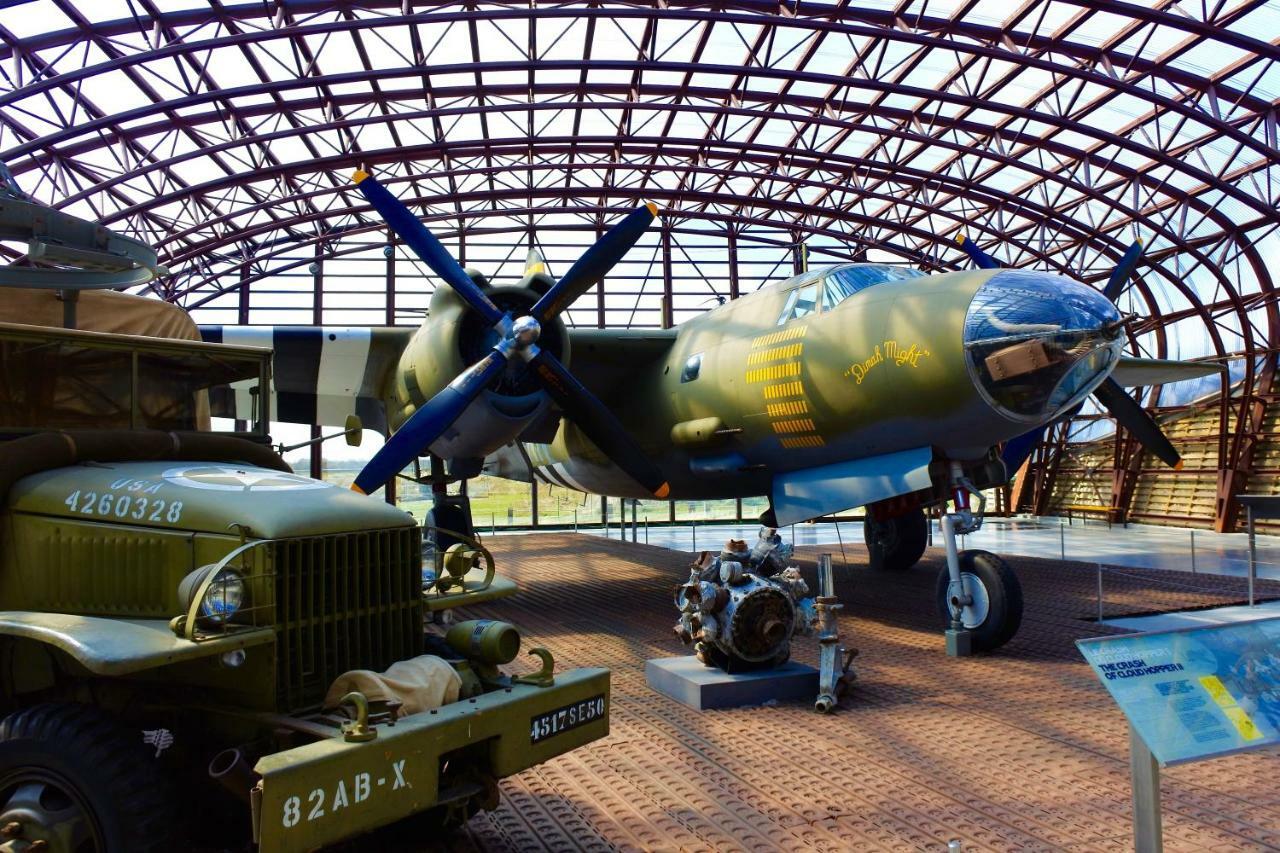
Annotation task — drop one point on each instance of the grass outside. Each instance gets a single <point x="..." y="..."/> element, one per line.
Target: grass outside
<point x="498" y="503"/>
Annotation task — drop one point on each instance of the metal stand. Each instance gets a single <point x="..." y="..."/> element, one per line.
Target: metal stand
<point x="833" y="658"/>
<point x="1148" y="837"/>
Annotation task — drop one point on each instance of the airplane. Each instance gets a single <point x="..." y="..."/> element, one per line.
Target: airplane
<point x="855" y="385"/>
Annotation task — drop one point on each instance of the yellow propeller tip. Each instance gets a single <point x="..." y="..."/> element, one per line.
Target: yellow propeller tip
<point x="653" y="208"/>
<point x="662" y="491"/>
<point x="1178" y="467"/>
<point x="960" y="239"/>
<point x="358" y="176"/>
<point x="358" y="490"/>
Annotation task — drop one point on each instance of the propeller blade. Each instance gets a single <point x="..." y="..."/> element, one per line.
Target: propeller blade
<point x="425" y="245"/>
<point x="534" y="263"/>
<point x="1134" y="418"/>
<point x="1017" y="449"/>
<point x="598" y="423"/>
<point x="595" y="262"/>
<point x="1124" y="269"/>
<point x="980" y="258"/>
<point x="428" y="423"/>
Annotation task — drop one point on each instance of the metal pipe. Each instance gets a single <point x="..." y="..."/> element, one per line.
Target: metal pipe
<point x="1253" y="552"/>
<point x="230" y="770"/>
<point x="1193" y="552"/>
<point x="1099" y="592"/>
<point x="1062" y="540"/>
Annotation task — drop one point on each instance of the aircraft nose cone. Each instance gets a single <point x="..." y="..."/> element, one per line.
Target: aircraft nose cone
<point x="1037" y="343"/>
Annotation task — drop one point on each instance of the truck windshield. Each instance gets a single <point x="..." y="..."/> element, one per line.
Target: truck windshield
<point x="66" y="379"/>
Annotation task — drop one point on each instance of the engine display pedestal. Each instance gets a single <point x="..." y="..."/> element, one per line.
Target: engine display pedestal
<point x="689" y="682"/>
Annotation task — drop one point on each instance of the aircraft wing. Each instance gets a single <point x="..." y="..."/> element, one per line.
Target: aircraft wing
<point x="319" y="374"/>
<point x="1135" y="372"/>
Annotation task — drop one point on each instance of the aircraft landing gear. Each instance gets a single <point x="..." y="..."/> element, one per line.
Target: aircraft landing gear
<point x="896" y="544"/>
<point x="449" y="520"/>
<point x="977" y="593"/>
<point x="994" y="611"/>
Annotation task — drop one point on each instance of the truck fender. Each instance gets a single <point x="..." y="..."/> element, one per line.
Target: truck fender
<point x="112" y="647"/>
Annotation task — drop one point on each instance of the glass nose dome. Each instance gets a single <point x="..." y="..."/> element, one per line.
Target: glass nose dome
<point x="1037" y="343"/>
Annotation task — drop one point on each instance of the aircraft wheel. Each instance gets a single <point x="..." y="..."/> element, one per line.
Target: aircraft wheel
<point x="896" y="544"/>
<point x="996" y="612"/>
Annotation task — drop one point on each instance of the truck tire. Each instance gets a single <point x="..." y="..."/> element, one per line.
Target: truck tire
<point x="78" y="780"/>
<point x="997" y="611"/>
<point x="896" y="544"/>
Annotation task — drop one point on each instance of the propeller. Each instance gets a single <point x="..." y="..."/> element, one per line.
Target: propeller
<point x="1124" y="269"/>
<point x="518" y="342"/>
<point x="1109" y="394"/>
<point x="980" y="258"/>
<point x="587" y="271"/>
<point x="1134" y="418"/>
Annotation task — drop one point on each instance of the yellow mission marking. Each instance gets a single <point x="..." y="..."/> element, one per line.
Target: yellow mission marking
<point x="777" y="371"/>
<point x="775" y="354"/>
<point x="1247" y="728"/>
<point x="1222" y="696"/>
<point x="786" y="389"/>
<point x="799" y="425"/>
<point x="778" y="337"/>
<point x="803" y="441"/>
<point x="1217" y="690"/>
<point x="787" y="409"/>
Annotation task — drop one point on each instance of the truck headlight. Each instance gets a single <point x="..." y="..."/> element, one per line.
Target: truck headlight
<point x="223" y="597"/>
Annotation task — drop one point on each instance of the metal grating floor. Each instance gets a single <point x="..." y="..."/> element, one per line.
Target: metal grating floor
<point x="1016" y="751"/>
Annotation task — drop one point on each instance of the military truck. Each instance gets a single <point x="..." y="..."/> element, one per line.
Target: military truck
<point x="179" y="608"/>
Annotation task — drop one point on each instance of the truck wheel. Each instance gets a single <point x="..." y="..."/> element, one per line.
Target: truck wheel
<point x="996" y="612"/>
<point x="896" y="544"/>
<point x="77" y="780"/>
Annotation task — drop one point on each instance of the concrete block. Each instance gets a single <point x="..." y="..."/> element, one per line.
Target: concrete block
<point x="687" y="681"/>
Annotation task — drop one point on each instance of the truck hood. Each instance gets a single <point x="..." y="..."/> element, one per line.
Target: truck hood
<point x="204" y="497"/>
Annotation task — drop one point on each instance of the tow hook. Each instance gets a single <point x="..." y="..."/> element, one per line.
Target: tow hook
<point x="543" y="677"/>
<point x="358" y="730"/>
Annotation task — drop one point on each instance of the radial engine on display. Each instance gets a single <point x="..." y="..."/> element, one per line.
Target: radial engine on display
<point x="741" y="607"/>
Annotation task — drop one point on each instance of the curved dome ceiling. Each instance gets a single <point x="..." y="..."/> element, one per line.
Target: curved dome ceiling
<point x="224" y="134"/>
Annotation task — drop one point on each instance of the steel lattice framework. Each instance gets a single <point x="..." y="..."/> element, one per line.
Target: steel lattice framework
<point x="1053" y="133"/>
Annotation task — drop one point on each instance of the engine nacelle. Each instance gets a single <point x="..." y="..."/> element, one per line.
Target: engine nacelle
<point x="452" y="338"/>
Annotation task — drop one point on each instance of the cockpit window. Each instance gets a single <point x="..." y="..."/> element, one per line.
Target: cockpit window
<point x="801" y="302"/>
<point x="843" y="282"/>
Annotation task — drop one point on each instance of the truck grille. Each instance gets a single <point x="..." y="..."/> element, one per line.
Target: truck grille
<point x="350" y="601"/>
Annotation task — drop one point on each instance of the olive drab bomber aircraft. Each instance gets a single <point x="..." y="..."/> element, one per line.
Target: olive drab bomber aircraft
<point x="857" y="385"/>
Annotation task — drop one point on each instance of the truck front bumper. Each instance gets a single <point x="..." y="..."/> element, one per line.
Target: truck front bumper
<point x="333" y="789"/>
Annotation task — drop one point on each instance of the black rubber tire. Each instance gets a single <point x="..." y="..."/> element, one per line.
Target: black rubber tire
<point x="1004" y="597"/>
<point x="115" y="777"/>
<point x="898" y="543"/>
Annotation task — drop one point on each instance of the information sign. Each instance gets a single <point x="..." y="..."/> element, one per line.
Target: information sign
<point x="1195" y="692"/>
